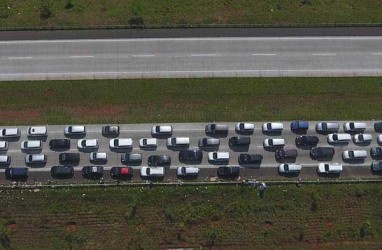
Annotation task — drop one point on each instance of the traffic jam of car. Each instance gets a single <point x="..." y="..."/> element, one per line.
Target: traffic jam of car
<point x="285" y="157"/>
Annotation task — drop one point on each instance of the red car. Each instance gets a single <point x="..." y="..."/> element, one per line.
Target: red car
<point x="121" y="172"/>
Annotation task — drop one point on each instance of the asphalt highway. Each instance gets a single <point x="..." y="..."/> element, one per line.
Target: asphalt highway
<point x="191" y="57"/>
<point x="268" y="168"/>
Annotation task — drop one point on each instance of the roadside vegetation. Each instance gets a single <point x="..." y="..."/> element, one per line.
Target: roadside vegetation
<point x="327" y="216"/>
<point x="190" y="100"/>
<point x="48" y="13"/>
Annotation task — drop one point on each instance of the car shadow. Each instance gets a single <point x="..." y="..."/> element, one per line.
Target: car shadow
<point x="239" y="148"/>
<point x="122" y="178"/>
<point x="178" y="148"/>
<point x="218" y="163"/>
<point x="69" y="163"/>
<point x="305" y="147"/>
<point x="299" y="131"/>
<point x="338" y="144"/>
<point x="87" y="150"/>
<point x="188" y="178"/>
<point x="212" y="149"/>
<point x="152" y="178"/>
<point x="31" y="151"/>
<point x="354" y="161"/>
<point x="36" y="165"/>
<point x="289" y="160"/>
<point x="41" y="138"/>
<point x="220" y="135"/>
<point x="75" y="136"/>
<point x="329" y="175"/>
<point x="148" y="149"/>
<point x="160" y="136"/>
<point x="10" y="139"/>
<point x="121" y="150"/>
<point x="273" y="133"/>
<point x="244" y="132"/>
<point x="191" y="162"/>
<point x="375" y="173"/>
<point x="62" y="177"/>
<point x="98" y="162"/>
<point x="21" y="179"/>
<point x="109" y="136"/>
<point x="271" y="149"/>
<point x="289" y="175"/>
<point x="362" y="144"/>
<point x="322" y="158"/>
<point x="251" y="166"/>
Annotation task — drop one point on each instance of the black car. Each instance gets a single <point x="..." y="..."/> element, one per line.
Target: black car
<point x="92" y="172"/>
<point x="228" y="172"/>
<point x="285" y="154"/>
<point x="239" y="141"/>
<point x="192" y="156"/>
<point x="376" y="167"/>
<point x="69" y="158"/>
<point x="322" y="152"/>
<point x="378" y="127"/>
<point x="133" y="159"/>
<point x="110" y="131"/>
<point x="16" y="173"/>
<point x="247" y="159"/>
<point x="376" y="152"/>
<point x="121" y="172"/>
<point x="159" y="160"/>
<point x="306" y="140"/>
<point x="59" y="144"/>
<point x="62" y="171"/>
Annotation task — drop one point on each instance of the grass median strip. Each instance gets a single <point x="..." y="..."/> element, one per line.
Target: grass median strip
<point x="47" y="13"/>
<point x="190" y="100"/>
<point x="334" y="216"/>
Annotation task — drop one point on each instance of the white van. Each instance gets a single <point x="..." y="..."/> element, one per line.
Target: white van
<point x="329" y="168"/>
<point x="354" y="154"/>
<point x="187" y="171"/>
<point x="38" y="131"/>
<point x="273" y="127"/>
<point x="289" y="168"/>
<point x="31" y="144"/>
<point x="178" y="142"/>
<point x="339" y="138"/>
<point x="273" y="143"/>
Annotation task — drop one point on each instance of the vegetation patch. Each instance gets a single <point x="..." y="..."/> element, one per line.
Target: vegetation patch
<point x="190" y="100"/>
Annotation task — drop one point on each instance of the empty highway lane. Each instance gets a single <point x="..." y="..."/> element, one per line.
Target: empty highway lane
<point x="191" y="57"/>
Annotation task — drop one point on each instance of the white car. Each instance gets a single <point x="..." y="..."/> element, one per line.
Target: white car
<point x="75" y="130"/>
<point x="31" y="144"/>
<point x="178" y="142"/>
<point x="119" y="143"/>
<point x="274" y="143"/>
<point x="162" y="130"/>
<point x="156" y="172"/>
<point x="354" y="127"/>
<point x="35" y="159"/>
<point x="148" y="143"/>
<point x="87" y="144"/>
<point x="218" y="157"/>
<point x="9" y="133"/>
<point x="339" y="138"/>
<point x="98" y="157"/>
<point x="5" y="160"/>
<point x="187" y="171"/>
<point x="3" y="145"/>
<point x="329" y="168"/>
<point x="379" y="139"/>
<point x="354" y="154"/>
<point x="244" y="127"/>
<point x="362" y="138"/>
<point x="37" y="131"/>
<point x="327" y="127"/>
<point x="289" y="168"/>
<point x="273" y="127"/>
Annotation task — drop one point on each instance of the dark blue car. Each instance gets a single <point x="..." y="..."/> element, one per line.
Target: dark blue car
<point x="299" y="126"/>
<point x="13" y="173"/>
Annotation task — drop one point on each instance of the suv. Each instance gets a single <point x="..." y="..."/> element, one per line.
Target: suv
<point x="273" y="143"/>
<point x="218" y="157"/>
<point x="306" y="140"/>
<point x="161" y="130"/>
<point x="148" y="143"/>
<point x="110" y="131"/>
<point x="322" y="152"/>
<point x="329" y="168"/>
<point x="159" y="160"/>
<point x="362" y="138"/>
<point x="376" y="167"/>
<point x="298" y="126"/>
<point x="59" y="144"/>
<point x="69" y="158"/>
<point x="338" y="138"/>
<point x="9" y="133"/>
<point x="244" y="127"/>
<point x="286" y="154"/>
<point x="246" y="159"/>
<point x="378" y="127"/>
<point x="92" y="172"/>
<point x="272" y="127"/>
<point x="11" y="173"/>
<point x="239" y="141"/>
<point x="289" y="168"/>
<point x="354" y="127"/>
<point x="87" y="144"/>
<point x="121" y="143"/>
<point x="216" y="129"/>
<point x="175" y="142"/>
<point x="228" y="171"/>
<point x="327" y="127"/>
<point x="40" y="131"/>
<point x="152" y="172"/>
<point x="75" y="130"/>
<point x="376" y="153"/>
<point x="98" y="157"/>
<point x="354" y="154"/>
<point x="191" y="156"/>
<point x="133" y="159"/>
<point x="121" y="172"/>
<point x="62" y="171"/>
<point x="206" y="143"/>
<point x="187" y="171"/>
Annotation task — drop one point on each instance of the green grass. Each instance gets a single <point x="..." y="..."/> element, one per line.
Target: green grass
<point x="326" y="216"/>
<point x="190" y="100"/>
<point x="27" y="13"/>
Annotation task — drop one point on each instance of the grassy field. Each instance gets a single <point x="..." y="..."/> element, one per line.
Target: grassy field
<point x="332" y="216"/>
<point x="190" y="100"/>
<point x="32" y="13"/>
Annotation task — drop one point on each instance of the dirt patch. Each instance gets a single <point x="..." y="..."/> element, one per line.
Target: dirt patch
<point x="107" y="112"/>
<point x="329" y="224"/>
<point x="268" y="224"/>
<point x="12" y="226"/>
<point x="21" y="115"/>
<point x="71" y="227"/>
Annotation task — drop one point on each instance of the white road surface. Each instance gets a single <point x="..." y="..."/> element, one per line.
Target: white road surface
<point x="191" y="57"/>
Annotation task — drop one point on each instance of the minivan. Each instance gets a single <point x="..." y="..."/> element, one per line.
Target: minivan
<point x="5" y="160"/>
<point x="178" y="142"/>
<point x="289" y="168"/>
<point x="216" y="129"/>
<point x="35" y="159"/>
<point x="187" y="171"/>
<point x="354" y="154"/>
<point x="31" y="144"/>
<point x="38" y="131"/>
<point x="339" y="138"/>
<point x="239" y="141"/>
<point x="329" y="168"/>
<point x="327" y="127"/>
<point x="274" y="143"/>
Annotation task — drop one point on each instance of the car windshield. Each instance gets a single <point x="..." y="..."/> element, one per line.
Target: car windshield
<point x="351" y="125"/>
<point x="335" y="137"/>
<point x="324" y="126"/>
<point x="183" y="170"/>
<point x="144" y="141"/>
<point x="326" y="167"/>
<point x="269" y="126"/>
<point x="286" y="167"/>
<point x="157" y="129"/>
<point x="241" y="126"/>
<point x="215" y="155"/>
<point x="360" y="137"/>
<point x="147" y="171"/>
<point x="351" y="154"/>
<point x="115" y="143"/>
